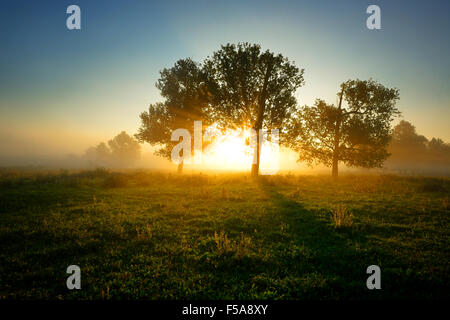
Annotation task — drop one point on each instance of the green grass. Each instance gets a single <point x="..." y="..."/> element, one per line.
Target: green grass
<point x="144" y="235"/>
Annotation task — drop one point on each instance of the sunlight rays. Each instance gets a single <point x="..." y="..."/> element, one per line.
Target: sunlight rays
<point x="234" y="151"/>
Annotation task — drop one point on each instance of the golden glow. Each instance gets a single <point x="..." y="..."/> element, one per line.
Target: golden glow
<point x="234" y="151"/>
<point x="229" y="151"/>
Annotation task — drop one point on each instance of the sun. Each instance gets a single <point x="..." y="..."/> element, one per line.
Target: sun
<point x="234" y="150"/>
<point x="229" y="151"/>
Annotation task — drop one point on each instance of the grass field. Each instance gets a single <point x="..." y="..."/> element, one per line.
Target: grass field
<point x="147" y="235"/>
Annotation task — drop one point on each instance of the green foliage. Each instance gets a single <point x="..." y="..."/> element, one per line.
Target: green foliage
<point x="185" y="94"/>
<point x="250" y="87"/>
<point x="156" y="129"/>
<point x="356" y="132"/>
<point x="239" y="86"/>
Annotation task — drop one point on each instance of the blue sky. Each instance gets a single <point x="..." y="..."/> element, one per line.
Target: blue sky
<point x="63" y="90"/>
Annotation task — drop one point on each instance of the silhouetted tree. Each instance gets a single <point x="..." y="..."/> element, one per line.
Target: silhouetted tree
<point x="355" y="132"/>
<point x="183" y="88"/>
<point x="438" y="146"/>
<point x="411" y="151"/>
<point x="439" y="153"/>
<point x="251" y="88"/>
<point x="404" y="136"/>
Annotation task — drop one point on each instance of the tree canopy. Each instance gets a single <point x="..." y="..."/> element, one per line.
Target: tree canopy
<point x="356" y="132"/>
<point x="185" y="94"/>
<point x="239" y="86"/>
<point x="251" y="88"/>
<point x="404" y="136"/>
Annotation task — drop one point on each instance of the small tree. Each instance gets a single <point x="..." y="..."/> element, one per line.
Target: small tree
<point x="124" y="149"/>
<point x="355" y="132"/>
<point x="184" y="90"/>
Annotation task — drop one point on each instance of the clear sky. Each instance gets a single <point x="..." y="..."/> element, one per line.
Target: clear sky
<point x="64" y="90"/>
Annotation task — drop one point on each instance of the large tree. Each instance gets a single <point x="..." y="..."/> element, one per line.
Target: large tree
<point x="184" y="90"/>
<point x="251" y="88"/>
<point x="356" y="132"/>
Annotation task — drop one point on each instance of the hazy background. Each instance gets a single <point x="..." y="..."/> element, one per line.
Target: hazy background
<point x="63" y="91"/>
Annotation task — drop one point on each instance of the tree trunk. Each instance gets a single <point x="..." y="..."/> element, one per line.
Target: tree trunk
<point x="255" y="170"/>
<point x="180" y="168"/>
<point x="335" y="161"/>
<point x="334" y="169"/>
<point x="337" y="138"/>
<point x="255" y="166"/>
<point x="260" y="118"/>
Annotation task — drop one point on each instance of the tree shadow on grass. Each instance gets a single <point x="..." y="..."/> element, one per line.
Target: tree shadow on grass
<point x="341" y="256"/>
<point x="307" y="258"/>
<point x="332" y="256"/>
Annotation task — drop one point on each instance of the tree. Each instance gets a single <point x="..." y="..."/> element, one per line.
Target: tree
<point x="356" y="132"/>
<point x="250" y="88"/>
<point x="404" y="136"/>
<point x="412" y="151"/>
<point x="407" y="149"/>
<point x="99" y="155"/>
<point x="124" y="149"/>
<point x="184" y="89"/>
<point x="438" y="146"/>
<point x="439" y="153"/>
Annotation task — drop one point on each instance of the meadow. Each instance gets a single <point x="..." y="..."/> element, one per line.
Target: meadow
<point x="150" y="235"/>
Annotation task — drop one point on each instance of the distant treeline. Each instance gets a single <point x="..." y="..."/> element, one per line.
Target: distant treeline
<point x="414" y="153"/>
<point x="121" y="151"/>
<point x="409" y="151"/>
